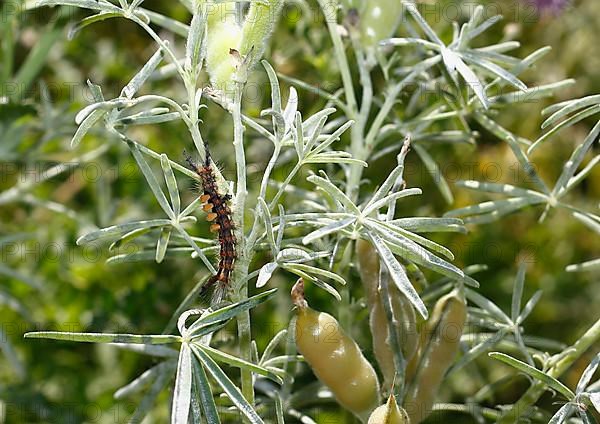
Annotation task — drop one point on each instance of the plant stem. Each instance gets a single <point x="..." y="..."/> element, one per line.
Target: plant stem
<point x="240" y="291"/>
<point x="591" y="336"/>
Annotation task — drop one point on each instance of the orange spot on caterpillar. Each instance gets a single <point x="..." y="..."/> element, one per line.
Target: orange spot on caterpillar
<point x="218" y="210"/>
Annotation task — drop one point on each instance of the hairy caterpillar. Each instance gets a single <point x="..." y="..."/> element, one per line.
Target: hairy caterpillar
<point x="219" y="213"/>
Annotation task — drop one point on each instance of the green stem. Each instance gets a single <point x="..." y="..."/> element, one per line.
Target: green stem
<point x="240" y="291"/>
<point x="531" y="396"/>
<point x="340" y="54"/>
<point x="357" y="147"/>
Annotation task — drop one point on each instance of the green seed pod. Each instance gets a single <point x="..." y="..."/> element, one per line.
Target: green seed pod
<point x="258" y="26"/>
<point x="224" y="34"/>
<point x="439" y="345"/>
<point x="334" y="357"/>
<point x="403" y="314"/>
<point x="390" y="413"/>
<point x="379" y="20"/>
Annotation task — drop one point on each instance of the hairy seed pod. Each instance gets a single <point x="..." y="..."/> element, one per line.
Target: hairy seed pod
<point x="390" y="413"/>
<point x="258" y="26"/>
<point x="439" y="345"/>
<point x="224" y="34"/>
<point x="334" y="357"/>
<point x="403" y="314"/>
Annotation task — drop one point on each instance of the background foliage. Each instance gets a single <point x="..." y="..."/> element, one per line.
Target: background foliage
<point x="70" y="288"/>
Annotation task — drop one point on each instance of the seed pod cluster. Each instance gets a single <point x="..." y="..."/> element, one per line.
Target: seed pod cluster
<point x="334" y="357"/>
<point x="439" y="344"/>
<point x="403" y="313"/>
<point x="389" y="413"/>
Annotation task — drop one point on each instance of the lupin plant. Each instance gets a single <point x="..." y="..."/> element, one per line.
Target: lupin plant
<point x="329" y="229"/>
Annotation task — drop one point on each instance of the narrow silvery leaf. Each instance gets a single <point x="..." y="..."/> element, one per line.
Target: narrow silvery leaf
<point x="238" y="362"/>
<point x="562" y="414"/>
<point x="576" y="158"/>
<point x="86" y="125"/>
<point x="140" y="78"/>
<point x="96" y="91"/>
<point x="265" y="274"/>
<point x="317" y="271"/>
<point x="412" y="9"/>
<point x="298" y="136"/>
<point x="334" y="192"/>
<point x="115" y="231"/>
<point x="518" y="292"/>
<point x="398" y="274"/>
<point x="588" y="373"/>
<point x="316" y="281"/>
<point x="592" y="265"/>
<point x="266" y="215"/>
<point x="478" y="349"/>
<point x="499" y="188"/>
<point x="158" y="351"/>
<point x="193" y="46"/>
<point x="171" y="183"/>
<point x="529" y="306"/>
<point x="291" y="107"/>
<point x="333" y="137"/>
<point x="202" y="387"/>
<point x="401" y="233"/>
<point x="103" y="337"/>
<point x="495" y="69"/>
<point x="389" y="200"/>
<point x="551" y="382"/>
<point x="182" y="392"/>
<point x="571" y="106"/>
<point x="229" y="311"/>
<point x="228" y="387"/>
<point x="162" y="244"/>
<point x="140" y="383"/>
<point x="334" y="227"/>
<point x="149" y="399"/>
<point x="101" y="6"/>
<point x="430" y="225"/>
<point x="294" y="254"/>
<point x="488" y="306"/>
<point x="273" y="343"/>
<point x="152" y="181"/>
<point x="454" y="63"/>
<point x="90" y="20"/>
<point x="275" y="91"/>
<point x="435" y="172"/>
<point x="595" y="399"/>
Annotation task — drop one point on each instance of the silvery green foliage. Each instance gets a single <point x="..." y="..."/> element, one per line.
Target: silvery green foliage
<point x="329" y="221"/>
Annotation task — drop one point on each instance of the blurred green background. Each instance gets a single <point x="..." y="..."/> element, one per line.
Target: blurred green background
<point x="73" y="289"/>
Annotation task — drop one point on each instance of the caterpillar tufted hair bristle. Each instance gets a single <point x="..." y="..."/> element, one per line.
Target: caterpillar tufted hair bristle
<point x="216" y="206"/>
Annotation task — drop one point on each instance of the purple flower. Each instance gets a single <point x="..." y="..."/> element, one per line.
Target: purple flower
<point x="552" y="6"/>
